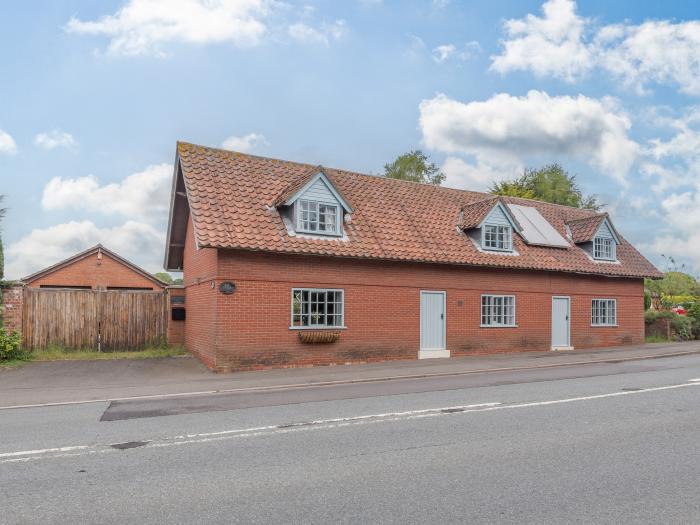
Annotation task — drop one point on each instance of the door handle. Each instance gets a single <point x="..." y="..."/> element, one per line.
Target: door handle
<point x="442" y="317"/>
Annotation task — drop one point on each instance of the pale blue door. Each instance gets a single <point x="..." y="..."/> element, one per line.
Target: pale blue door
<point x="560" y="322"/>
<point x="432" y="320"/>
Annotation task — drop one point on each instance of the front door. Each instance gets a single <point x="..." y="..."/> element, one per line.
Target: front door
<point x="432" y="322"/>
<point x="561" y="309"/>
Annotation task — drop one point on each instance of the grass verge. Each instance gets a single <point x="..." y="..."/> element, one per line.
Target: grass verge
<point x="656" y="339"/>
<point x="62" y="354"/>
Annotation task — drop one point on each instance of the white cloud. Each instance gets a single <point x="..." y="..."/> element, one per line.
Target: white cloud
<point x="506" y="129"/>
<point x="443" y="52"/>
<point x="246" y="143"/>
<point x="143" y="27"/>
<point x="548" y="45"/>
<point x="476" y="177"/>
<point x="143" y="196"/>
<point x="7" y="143"/>
<point x="326" y="33"/>
<point x="657" y="51"/>
<point x="138" y="242"/>
<point x="55" y="139"/>
<point x="564" y="45"/>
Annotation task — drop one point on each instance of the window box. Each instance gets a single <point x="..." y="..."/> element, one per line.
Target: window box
<point x="318" y="336"/>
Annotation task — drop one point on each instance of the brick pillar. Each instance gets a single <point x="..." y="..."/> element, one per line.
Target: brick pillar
<point x="13" y="300"/>
<point x="176" y="329"/>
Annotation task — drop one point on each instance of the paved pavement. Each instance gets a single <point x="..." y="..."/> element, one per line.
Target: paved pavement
<point x="71" y="381"/>
<point x="609" y="442"/>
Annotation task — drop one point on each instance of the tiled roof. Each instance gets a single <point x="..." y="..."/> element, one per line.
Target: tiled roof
<point x="232" y="198"/>
<point x="475" y="212"/>
<point x="583" y="230"/>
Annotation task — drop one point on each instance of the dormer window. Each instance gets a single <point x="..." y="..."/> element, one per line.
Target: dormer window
<point x="604" y="248"/>
<point x="497" y="237"/>
<point x="312" y="206"/>
<point x="317" y="217"/>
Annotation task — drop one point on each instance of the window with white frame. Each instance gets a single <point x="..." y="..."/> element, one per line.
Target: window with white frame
<point x="604" y="312"/>
<point x="317" y="217"/>
<point x="604" y="248"/>
<point x="317" y="308"/>
<point x="497" y="310"/>
<point x="496" y="237"/>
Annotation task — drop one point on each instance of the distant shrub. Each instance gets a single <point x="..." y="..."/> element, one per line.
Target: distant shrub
<point x="681" y="325"/>
<point x="10" y="345"/>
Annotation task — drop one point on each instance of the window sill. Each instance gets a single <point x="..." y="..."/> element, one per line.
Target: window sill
<point x="498" y="326"/>
<point x="318" y="327"/>
<point x="605" y="325"/>
<point x="319" y="234"/>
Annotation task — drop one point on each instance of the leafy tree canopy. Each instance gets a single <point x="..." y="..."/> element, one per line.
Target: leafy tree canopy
<point x="414" y="166"/>
<point x="676" y="281"/>
<point x="164" y="277"/>
<point x="550" y="183"/>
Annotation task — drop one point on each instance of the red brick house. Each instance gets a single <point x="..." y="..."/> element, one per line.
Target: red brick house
<point x="289" y="264"/>
<point x="96" y="268"/>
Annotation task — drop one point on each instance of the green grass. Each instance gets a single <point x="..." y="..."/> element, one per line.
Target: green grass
<point x="57" y="353"/>
<point x="12" y="363"/>
<point x="656" y="339"/>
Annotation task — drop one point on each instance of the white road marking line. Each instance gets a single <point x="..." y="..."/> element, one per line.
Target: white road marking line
<point x="697" y="379"/>
<point x="320" y="424"/>
<point x="353" y="381"/>
<point x="43" y="451"/>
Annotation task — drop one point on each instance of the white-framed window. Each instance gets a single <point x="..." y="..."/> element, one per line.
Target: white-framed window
<point x="497" y="237"/>
<point x="317" y="308"/>
<point x="317" y="217"/>
<point x="604" y="248"/>
<point x="604" y="312"/>
<point x="497" y="310"/>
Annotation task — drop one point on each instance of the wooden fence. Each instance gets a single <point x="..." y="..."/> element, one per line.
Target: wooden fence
<point x="94" y="319"/>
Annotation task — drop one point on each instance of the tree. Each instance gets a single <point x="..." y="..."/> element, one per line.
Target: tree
<point x="550" y="183"/>
<point x="414" y="166"/>
<point x="164" y="277"/>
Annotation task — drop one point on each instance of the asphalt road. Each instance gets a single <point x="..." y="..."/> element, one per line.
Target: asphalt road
<point x="605" y="443"/>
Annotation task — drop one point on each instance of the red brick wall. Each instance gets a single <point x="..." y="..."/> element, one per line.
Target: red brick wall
<point x="176" y="329"/>
<point x="251" y="326"/>
<point x="12" y="299"/>
<point x="96" y="273"/>
<point x="200" y="299"/>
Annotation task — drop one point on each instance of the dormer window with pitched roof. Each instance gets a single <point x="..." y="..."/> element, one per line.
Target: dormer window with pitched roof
<point x="312" y="205"/>
<point x="489" y="224"/>
<point x="597" y="236"/>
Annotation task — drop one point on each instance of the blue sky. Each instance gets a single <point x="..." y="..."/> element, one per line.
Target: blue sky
<point x="95" y="95"/>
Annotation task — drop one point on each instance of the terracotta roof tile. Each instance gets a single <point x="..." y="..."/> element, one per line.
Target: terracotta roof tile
<point x="232" y="197"/>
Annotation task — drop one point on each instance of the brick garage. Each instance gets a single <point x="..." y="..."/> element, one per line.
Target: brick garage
<point x="251" y="327"/>
<point x="96" y="268"/>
